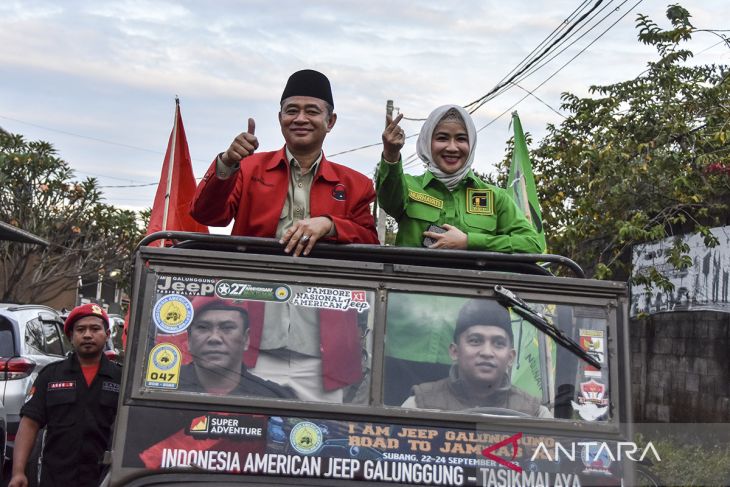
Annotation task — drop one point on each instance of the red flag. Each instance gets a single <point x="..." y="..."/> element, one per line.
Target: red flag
<point x="170" y="210"/>
<point x="177" y="186"/>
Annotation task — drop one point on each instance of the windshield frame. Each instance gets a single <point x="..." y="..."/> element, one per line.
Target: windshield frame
<point x="381" y="278"/>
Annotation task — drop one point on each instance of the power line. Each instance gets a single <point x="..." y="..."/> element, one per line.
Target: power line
<point x="528" y="63"/>
<point x="539" y="99"/>
<point x="527" y="73"/>
<point x="699" y="52"/>
<point x="412" y="161"/>
<point x="714" y="45"/>
<point x="87" y="137"/>
<point x="531" y="58"/>
<point x="529" y="92"/>
<point x="355" y="149"/>
<point x="575" y="21"/>
<point x="406" y="163"/>
<point x="108" y="177"/>
<point x="563" y="66"/>
<point x="130" y="185"/>
<point x="556" y="36"/>
<point x="554" y="33"/>
<point x="103" y="141"/>
<point x="137" y="185"/>
<point x="557" y="39"/>
<point x="131" y="199"/>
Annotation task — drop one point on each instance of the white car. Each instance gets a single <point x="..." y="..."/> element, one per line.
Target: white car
<point x="31" y="337"/>
<point x="3" y="440"/>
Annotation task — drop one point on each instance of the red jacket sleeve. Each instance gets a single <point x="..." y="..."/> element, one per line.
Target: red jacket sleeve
<point x="216" y="200"/>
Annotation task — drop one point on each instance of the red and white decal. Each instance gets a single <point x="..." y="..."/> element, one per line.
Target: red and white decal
<point x="64" y="384"/>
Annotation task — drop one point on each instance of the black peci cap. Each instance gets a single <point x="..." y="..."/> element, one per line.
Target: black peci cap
<point x="308" y="82"/>
<point x="485" y="312"/>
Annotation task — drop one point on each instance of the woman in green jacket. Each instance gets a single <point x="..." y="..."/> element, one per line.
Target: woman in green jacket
<point x="474" y="215"/>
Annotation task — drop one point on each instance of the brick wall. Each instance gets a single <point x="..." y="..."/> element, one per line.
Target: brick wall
<point x="680" y="367"/>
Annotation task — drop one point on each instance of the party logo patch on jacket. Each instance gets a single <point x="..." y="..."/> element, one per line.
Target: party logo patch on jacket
<point x="339" y="193"/>
<point x="480" y="201"/>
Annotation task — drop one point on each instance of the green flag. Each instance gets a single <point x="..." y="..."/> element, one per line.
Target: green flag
<point x="534" y="366"/>
<point x="521" y="183"/>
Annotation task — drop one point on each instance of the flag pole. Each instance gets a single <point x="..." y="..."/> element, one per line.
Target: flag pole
<point x="378" y="212"/>
<point x="170" y="166"/>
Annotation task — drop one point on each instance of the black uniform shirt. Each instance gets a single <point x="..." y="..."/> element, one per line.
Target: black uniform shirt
<point x="78" y="419"/>
<point x="249" y="385"/>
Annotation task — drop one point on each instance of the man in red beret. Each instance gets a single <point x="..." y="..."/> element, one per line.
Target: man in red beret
<point x="217" y="338"/>
<point x="76" y="401"/>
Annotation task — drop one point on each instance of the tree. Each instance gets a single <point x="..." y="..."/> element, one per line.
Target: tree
<point x="639" y="160"/>
<point x="38" y="194"/>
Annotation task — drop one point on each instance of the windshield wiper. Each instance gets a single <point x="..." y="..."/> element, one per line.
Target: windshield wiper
<point x="507" y="298"/>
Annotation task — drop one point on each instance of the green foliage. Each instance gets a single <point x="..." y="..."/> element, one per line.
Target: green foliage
<point x="639" y="160"/>
<point x="38" y="194"/>
<point x="692" y="463"/>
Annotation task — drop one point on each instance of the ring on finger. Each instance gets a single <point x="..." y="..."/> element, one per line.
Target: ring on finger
<point x="305" y="238"/>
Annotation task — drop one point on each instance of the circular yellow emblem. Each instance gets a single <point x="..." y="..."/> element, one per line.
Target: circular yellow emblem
<point x="173" y="313"/>
<point x="306" y="437"/>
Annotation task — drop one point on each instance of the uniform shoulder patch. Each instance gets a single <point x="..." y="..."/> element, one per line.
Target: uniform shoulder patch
<point x="426" y="199"/>
<point x="109" y="386"/>
<point x="480" y="201"/>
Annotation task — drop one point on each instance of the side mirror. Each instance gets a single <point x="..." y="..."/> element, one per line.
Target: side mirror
<point x="47" y="317"/>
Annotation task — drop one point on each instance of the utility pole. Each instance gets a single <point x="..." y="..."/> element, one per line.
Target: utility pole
<point x="379" y="213"/>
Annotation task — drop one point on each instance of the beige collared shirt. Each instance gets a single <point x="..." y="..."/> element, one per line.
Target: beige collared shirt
<point x="296" y="205"/>
<point x="289" y="327"/>
<point x="285" y="326"/>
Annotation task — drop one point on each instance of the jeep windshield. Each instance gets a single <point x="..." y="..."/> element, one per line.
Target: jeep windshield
<point x="254" y="365"/>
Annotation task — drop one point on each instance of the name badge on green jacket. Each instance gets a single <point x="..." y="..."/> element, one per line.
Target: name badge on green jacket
<point x="479" y="201"/>
<point x="425" y="199"/>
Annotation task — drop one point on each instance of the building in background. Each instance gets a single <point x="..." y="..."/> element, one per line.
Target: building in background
<point x="702" y="286"/>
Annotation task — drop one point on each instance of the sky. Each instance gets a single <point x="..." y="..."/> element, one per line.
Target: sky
<point x="98" y="79"/>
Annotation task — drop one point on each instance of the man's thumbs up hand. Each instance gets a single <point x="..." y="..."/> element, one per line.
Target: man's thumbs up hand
<point x="242" y="146"/>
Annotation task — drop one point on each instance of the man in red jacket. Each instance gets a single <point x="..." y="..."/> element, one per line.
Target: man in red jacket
<point x="296" y="195"/>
